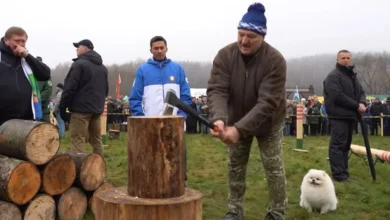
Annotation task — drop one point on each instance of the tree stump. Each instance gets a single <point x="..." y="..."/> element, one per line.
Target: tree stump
<point x="72" y="205"/>
<point x="41" y="207"/>
<point x="58" y="175"/>
<point x="93" y="197"/>
<point x="155" y="157"/>
<point x="116" y="204"/>
<point x="33" y="141"/>
<point x="19" y="180"/>
<point x="90" y="170"/>
<point x="9" y="211"/>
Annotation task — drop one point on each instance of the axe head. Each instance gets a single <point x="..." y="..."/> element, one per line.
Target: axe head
<point x="168" y="109"/>
<point x="172" y="100"/>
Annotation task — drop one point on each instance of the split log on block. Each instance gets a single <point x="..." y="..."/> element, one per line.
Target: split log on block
<point x="92" y="196"/>
<point x="155" y="157"/>
<point x="116" y="204"/>
<point x="58" y="175"/>
<point x="9" y="211"/>
<point x="33" y="141"/>
<point x="19" y="180"/>
<point x="42" y="206"/>
<point x="72" y="204"/>
<point x="90" y="170"/>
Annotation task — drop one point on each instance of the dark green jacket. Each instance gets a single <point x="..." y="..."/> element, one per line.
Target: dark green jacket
<point x="315" y="111"/>
<point x="45" y="88"/>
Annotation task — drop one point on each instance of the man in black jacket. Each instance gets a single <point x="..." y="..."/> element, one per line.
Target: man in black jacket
<point x="345" y="101"/>
<point x="15" y="87"/>
<point x="85" y="91"/>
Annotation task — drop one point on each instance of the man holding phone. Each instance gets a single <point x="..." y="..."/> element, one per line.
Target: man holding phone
<point x="19" y="73"/>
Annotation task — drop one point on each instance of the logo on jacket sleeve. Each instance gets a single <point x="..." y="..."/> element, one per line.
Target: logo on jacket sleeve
<point x="186" y="79"/>
<point x="171" y="78"/>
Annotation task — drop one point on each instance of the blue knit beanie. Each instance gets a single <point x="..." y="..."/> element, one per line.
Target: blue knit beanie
<point x="254" y="19"/>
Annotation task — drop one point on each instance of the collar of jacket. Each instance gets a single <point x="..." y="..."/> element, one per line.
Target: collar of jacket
<point x="347" y="70"/>
<point x="257" y="54"/>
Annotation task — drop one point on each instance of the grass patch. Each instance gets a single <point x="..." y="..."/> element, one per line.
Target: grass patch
<point x="207" y="172"/>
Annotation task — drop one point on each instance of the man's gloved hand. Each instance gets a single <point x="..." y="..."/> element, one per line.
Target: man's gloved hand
<point x="63" y="114"/>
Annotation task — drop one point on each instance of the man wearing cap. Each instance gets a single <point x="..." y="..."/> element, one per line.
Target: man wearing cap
<point x="85" y="91"/>
<point x="246" y="99"/>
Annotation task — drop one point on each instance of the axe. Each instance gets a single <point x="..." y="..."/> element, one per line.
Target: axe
<point x="172" y="100"/>
<point x="367" y="145"/>
<point x="168" y="109"/>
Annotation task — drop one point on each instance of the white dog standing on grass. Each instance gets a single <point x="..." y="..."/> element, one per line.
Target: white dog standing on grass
<point x="318" y="192"/>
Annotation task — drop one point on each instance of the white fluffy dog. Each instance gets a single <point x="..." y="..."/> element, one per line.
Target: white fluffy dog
<point x="318" y="192"/>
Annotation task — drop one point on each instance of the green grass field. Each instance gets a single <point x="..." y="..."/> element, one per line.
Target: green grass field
<point x="207" y="172"/>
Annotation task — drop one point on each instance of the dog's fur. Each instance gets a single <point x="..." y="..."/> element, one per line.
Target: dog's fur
<point x="318" y="192"/>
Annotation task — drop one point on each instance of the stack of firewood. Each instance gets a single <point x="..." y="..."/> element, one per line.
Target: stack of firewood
<point x="39" y="182"/>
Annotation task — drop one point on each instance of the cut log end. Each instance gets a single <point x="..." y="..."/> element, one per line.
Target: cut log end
<point x="9" y="211"/>
<point x="23" y="184"/>
<point x="92" y="172"/>
<point x="41" y="207"/>
<point x="42" y="143"/>
<point x="93" y="199"/>
<point x="58" y="175"/>
<point x="115" y="203"/>
<point x="72" y="204"/>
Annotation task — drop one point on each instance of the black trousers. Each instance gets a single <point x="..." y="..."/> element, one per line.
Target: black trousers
<point x="339" y="146"/>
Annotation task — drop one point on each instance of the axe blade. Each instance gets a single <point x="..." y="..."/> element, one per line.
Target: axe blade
<point x="168" y="109"/>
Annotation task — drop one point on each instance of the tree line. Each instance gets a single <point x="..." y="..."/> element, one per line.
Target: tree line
<point x="373" y="70"/>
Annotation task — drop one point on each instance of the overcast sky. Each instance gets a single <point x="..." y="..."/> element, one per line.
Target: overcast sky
<point x="195" y="30"/>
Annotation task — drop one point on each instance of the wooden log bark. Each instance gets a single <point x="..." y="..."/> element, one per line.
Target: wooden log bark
<point x="72" y="204"/>
<point x="9" y="211"/>
<point x="155" y="157"/>
<point x="19" y="180"/>
<point x="42" y="206"/>
<point x="116" y="204"/>
<point x="92" y="196"/>
<point x="90" y="170"/>
<point x="58" y="175"/>
<point x="33" y="141"/>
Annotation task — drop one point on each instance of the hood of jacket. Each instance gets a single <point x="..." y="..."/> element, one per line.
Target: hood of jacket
<point x="91" y="56"/>
<point x="4" y="48"/>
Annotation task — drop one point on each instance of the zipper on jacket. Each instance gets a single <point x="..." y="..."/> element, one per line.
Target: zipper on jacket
<point x="243" y="98"/>
<point x="162" y="81"/>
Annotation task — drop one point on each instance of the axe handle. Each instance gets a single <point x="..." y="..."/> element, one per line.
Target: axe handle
<point x="194" y="114"/>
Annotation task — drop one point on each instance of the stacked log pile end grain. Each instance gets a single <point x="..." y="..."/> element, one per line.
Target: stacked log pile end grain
<point x="39" y="182"/>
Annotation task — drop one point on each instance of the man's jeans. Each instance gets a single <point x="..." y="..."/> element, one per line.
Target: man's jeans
<point x="60" y="124"/>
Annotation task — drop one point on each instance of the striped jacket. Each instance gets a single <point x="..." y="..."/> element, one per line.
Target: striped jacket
<point x="151" y="84"/>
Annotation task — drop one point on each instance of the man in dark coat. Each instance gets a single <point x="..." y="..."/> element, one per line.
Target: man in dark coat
<point x="85" y="92"/>
<point x="345" y="101"/>
<point x="17" y="98"/>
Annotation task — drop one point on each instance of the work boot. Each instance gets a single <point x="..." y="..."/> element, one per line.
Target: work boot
<point x="230" y="216"/>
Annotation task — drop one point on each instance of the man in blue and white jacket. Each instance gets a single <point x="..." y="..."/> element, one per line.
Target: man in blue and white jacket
<point x="153" y="80"/>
